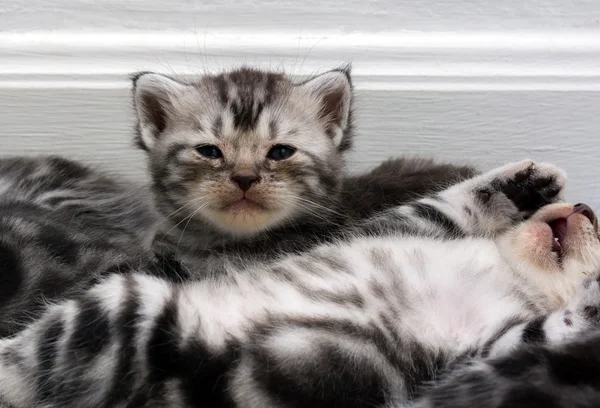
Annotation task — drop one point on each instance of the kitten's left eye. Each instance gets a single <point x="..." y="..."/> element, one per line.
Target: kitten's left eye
<point x="281" y="152"/>
<point x="209" y="151"/>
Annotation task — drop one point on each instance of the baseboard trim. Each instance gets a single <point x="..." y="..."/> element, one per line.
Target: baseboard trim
<point x="395" y="61"/>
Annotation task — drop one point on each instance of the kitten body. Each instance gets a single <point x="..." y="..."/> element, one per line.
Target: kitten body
<point x="63" y="226"/>
<point x="362" y="322"/>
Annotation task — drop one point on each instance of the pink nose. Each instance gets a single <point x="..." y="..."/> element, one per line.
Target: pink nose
<point x="586" y="211"/>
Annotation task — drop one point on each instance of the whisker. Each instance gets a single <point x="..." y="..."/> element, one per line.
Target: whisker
<point x="188" y="204"/>
<point x="186" y="218"/>
<point x="187" y="223"/>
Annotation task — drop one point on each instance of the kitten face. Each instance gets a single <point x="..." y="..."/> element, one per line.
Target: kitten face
<point x="244" y="150"/>
<point x="557" y="249"/>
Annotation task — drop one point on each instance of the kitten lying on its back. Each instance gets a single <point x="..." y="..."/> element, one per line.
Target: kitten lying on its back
<point x="250" y="165"/>
<point x="363" y="322"/>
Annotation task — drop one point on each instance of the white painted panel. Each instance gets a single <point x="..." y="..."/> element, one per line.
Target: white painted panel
<point x="465" y="80"/>
<point x="299" y="16"/>
<point x="486" y="128"/>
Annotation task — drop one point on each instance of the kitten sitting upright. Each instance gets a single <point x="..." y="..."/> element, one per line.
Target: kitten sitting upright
<point x="249" y="164"/>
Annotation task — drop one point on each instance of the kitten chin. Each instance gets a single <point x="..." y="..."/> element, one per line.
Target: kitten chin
<point x="245" y="219"/>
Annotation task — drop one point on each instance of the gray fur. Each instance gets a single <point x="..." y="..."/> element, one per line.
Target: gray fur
<point x="555" y="376"/>
<point x="296" y="333"/>
<point x="62" y="227"/>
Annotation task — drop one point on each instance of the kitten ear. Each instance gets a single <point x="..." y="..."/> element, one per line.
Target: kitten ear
<point x="153" y="96"/>
<point x="333" y="92"/>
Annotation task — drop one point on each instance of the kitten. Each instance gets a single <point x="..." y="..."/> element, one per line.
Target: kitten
<point x="62" y="226"/>
<point x="246" y="165"/>
<point x="362" y="322"/>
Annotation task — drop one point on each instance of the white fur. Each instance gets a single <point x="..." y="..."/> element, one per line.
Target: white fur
<point x="448" y="296"/>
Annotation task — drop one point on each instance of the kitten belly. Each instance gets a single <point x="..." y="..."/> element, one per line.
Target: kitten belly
<point x="461" y="293"/>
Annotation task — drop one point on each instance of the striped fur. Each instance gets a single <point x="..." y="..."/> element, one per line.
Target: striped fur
<point x="363" y="322"/>
<point x="295" y="203"/>
<point x="63" y="226"/>
<point x="554" y="376"/>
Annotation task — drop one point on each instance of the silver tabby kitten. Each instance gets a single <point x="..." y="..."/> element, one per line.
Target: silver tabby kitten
<point x="248" y="164"/>
<point x="64" y="225"/>
<point x="362" y="322"/>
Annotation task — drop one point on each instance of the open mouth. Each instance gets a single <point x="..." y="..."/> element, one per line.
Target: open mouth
<point x="560" y="228"/>
<point x="559" y="232"/>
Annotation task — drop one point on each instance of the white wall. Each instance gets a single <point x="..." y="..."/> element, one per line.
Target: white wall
<point x="477" y="80"/>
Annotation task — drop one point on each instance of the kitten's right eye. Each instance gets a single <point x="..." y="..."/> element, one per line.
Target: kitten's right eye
<point x="281" y="152"/>
<point x="209" y="151"/>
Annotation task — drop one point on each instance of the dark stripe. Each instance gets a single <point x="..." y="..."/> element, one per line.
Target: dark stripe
<point x="203" y="374"/>
<point x="174" y="150"/>
<point x="273" y="129"/>
<point x="414" y="363"/>
<point x="245" y="115"/>
<point x="164" y="356"/>
<point x="168" y="267"/>
<point x="11" y="273"/>
<point x="126" y="327"/>
<point x="222" y="89"/>
<point x="271" y="87"/>
<point x="58" y="244"/>
<point x="68" y="169"/>
<point x="328" y="176"/>
<point x="91" y="330"/>
<point x="335" y="376"/>
<point x="332" y="377"/>
<point x="348" y="298"/>
<point x="432" y="214"/>
<point x="217" y="127"/>
<point x="534" y="331"/>
<point x="46" y="356"/>
<point x="487" y="347"/>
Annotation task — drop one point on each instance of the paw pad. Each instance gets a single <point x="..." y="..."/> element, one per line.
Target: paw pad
<point x="527" y="185"/>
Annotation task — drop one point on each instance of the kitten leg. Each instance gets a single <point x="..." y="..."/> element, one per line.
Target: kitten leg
<point x="490" y="203"/>
<point x="484" y="205"/>
<point x="581" y="315"/>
